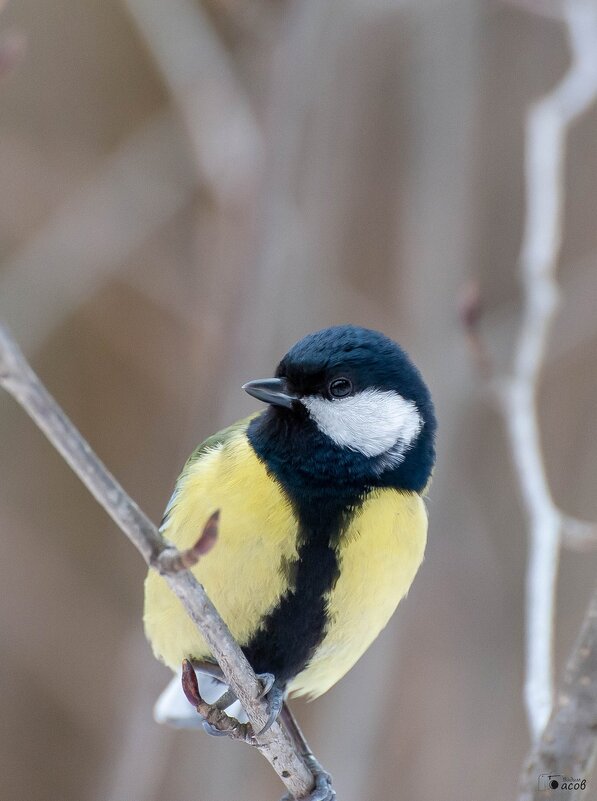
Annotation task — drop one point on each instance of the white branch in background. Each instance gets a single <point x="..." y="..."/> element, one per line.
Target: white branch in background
<point x="547" y="126"/>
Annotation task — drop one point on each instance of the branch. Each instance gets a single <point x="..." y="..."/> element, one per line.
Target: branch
<point x="172" y="560"/>
<point x="17" y="378"/>
<point x="568" y="745"/>
<point x="547" y="126"/>
<point x="213" y="714"/>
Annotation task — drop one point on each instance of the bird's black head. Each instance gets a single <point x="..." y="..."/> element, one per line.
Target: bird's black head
<point x="348" y="410"/>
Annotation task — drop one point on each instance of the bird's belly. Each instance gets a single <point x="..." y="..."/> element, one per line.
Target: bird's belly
<point x="246" y="573"/>
<point x="243" y="573"/>
<point x="378" y="559"/>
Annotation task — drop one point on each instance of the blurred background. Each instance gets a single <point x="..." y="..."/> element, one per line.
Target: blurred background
<point x="187" y="189"/>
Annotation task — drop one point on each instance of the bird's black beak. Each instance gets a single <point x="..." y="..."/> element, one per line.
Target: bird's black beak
<point x="271" y="390"/>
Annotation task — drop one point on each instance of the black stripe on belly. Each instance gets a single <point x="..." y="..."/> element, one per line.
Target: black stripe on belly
<point x="288" y="636"/>
<point x="324" y="494"/>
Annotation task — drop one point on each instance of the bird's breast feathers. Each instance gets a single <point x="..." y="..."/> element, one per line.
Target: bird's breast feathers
<point x="250" y="567"/>
<point x="379" y="556"/>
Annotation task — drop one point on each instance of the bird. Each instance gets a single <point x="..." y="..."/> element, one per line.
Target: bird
<point x="323" y="521"/>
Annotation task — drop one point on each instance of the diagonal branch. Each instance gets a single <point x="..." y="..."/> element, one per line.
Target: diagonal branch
<point x="17" y="378"/>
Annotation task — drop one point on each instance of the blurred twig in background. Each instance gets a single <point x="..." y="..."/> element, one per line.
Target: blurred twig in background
<point x="547" y="126"/>
<point x="568" y="743"/>
<point x="224" y="134"/>
<point x="138" y="188"/>
<point x="12" y="47"/>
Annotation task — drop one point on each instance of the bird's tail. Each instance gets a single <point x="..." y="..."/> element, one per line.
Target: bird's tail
<point x="173" y="708"/>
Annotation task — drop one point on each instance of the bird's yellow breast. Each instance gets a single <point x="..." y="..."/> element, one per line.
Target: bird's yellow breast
<point x="242" y="573"/>
<point x="379" y="556"/>
<point x="246" y="572"/>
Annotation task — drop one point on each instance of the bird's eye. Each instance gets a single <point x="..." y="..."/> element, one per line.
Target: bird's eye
<point x="340" y="387"/>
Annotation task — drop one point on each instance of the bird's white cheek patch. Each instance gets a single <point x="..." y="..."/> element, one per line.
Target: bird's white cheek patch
<point x="372" y="422"/>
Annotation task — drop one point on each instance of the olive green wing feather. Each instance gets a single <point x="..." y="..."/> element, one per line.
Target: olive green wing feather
<point x="211" y="443"/>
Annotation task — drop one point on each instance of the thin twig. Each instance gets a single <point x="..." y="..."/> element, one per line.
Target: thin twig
<point x="17" y="377"/>
<point x="470" y="308"/>
<point x="171" y="560"/>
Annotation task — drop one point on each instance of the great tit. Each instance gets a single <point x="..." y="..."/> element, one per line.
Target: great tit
<point x="323" y="524"/>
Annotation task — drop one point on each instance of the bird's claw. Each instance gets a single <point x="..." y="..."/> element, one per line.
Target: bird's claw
<point x="274" y="692"/>
<point x="267" y="680"/>
<point x="323" y="790"/>
<point x="212" y="731"/>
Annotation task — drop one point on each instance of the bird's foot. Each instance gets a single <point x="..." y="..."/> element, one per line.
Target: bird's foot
<point x="210" y="729"/>
<point x="267" y="680"/>
<point x="215" y="721"/>
<point x="274" y="692"/>
<point x="323" y="790"/>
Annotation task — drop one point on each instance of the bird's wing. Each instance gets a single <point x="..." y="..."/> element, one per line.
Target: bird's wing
<point x="246" y="571"/>
<point x="210" y="444"/>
